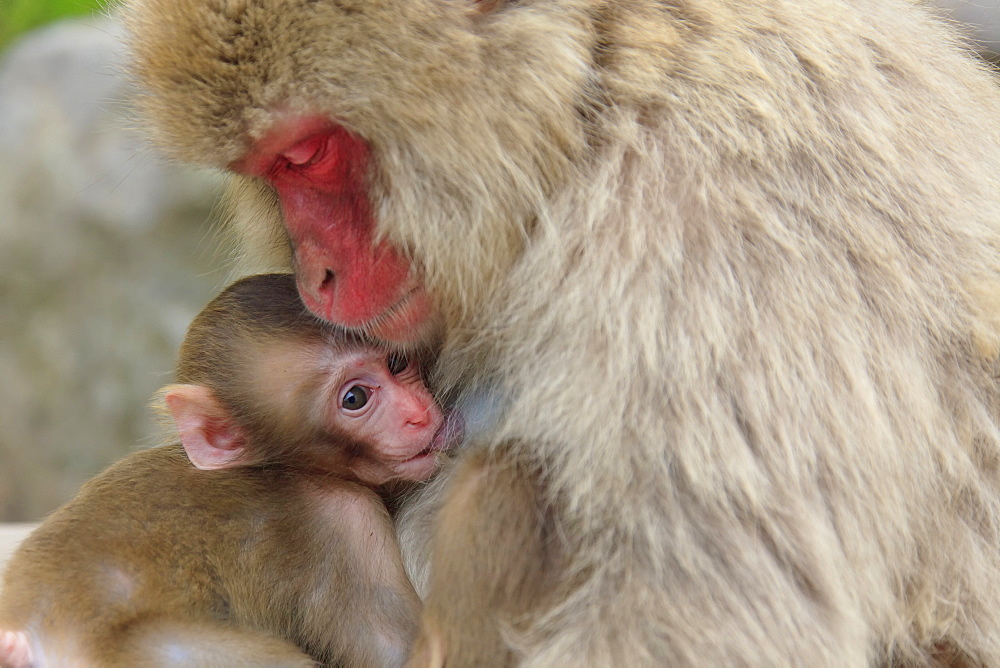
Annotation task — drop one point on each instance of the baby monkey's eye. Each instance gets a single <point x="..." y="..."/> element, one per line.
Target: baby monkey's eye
<point x="397" y="363"/>
<point x="355" y="398"/>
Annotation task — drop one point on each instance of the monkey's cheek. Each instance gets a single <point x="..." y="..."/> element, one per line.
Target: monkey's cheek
<point x="420" y="467"/>
<point x="412" y="320"/>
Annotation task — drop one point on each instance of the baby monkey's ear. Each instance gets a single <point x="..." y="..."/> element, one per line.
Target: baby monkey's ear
<point x="209" y="436"/>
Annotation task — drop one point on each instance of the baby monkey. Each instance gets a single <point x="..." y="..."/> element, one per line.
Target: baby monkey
<point x="260" y="539"/>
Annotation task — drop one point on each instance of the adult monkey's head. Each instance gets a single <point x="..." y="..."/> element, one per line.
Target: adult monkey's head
<point x="412" y="144"/>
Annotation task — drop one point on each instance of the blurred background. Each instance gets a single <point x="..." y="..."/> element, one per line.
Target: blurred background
<point x="106" y="251"/>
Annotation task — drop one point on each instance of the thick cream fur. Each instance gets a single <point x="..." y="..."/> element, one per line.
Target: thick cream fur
<point x="734" y="266"/>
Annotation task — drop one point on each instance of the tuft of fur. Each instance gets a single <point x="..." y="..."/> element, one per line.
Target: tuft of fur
<point x="734" y="268"/>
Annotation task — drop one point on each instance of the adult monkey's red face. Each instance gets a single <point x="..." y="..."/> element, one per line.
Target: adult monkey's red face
<point x="320" y="173"/>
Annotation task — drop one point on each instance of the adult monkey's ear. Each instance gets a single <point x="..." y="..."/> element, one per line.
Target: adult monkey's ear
<point x="209" y="436"/>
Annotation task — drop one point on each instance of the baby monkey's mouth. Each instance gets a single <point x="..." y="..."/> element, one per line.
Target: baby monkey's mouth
<point x="422" y="465"/>
<point x="449" y="434"/>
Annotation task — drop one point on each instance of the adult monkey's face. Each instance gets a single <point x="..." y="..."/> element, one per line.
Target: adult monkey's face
<point x="320" y="172"/>
<point x="410" y="143"/>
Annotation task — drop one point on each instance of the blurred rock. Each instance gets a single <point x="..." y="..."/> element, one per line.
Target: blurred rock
<point x="106" y="254"/>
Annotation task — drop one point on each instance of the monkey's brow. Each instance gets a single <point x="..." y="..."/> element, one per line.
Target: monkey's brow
<point x="316" y="382"/>
<point x="327" y="377"/>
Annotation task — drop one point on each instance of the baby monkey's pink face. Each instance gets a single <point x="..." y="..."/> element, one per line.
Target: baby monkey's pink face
<point x="381" y="400"/>
<point x="375" y="399"/>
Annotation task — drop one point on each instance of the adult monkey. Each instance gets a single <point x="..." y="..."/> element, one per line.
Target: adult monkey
<point x="732" y="268"/>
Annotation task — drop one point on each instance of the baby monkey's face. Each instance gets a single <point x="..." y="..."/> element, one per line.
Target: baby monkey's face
<point x="376" y="400"/>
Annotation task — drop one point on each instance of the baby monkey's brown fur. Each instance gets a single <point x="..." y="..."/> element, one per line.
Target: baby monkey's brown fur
<point x="284" y="559"/>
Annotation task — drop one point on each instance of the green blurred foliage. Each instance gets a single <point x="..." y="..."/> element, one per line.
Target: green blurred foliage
<point x="18" y="16"/>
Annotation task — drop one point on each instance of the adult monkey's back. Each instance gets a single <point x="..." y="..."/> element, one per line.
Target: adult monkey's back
<point x="733" y="267"/>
